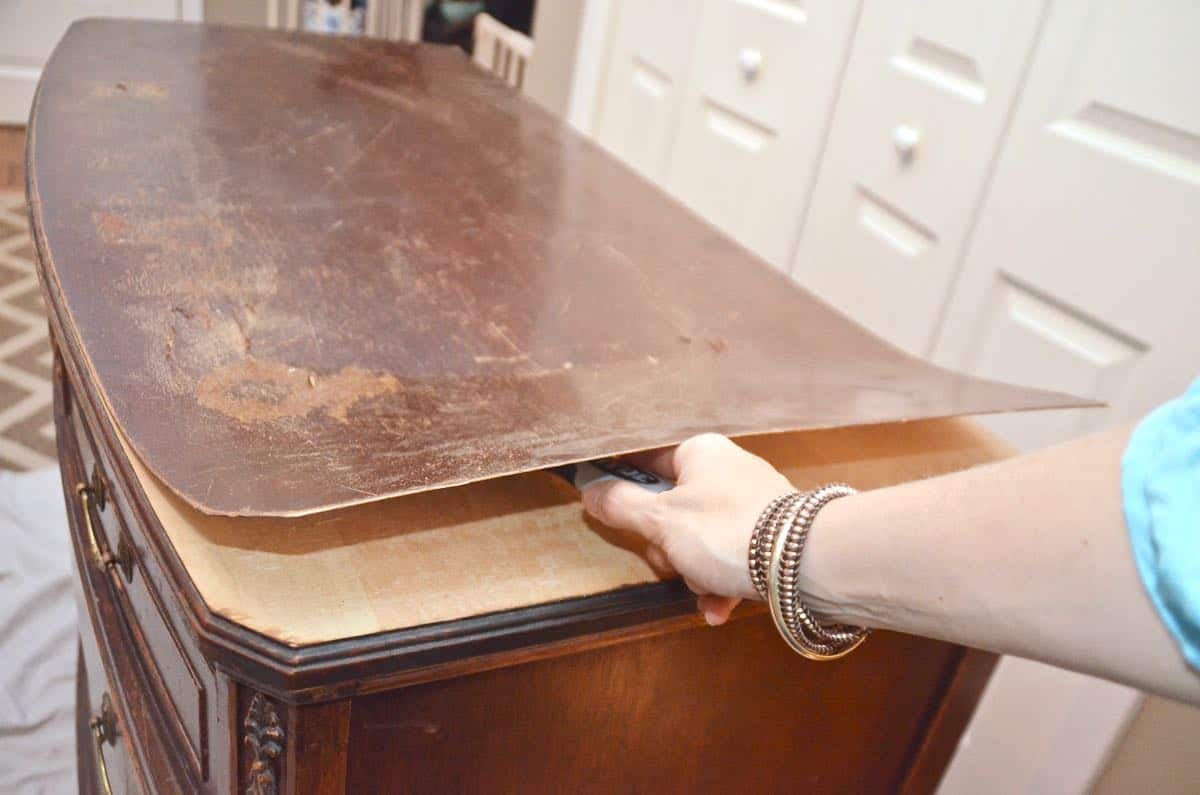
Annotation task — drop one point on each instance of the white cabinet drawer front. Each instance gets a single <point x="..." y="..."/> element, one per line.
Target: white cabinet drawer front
<point x="925" y="102"/>
<point x="753" y="119"/>
<point x="751" y="57"/>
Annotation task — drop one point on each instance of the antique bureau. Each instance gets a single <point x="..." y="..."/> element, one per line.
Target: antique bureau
<point x="483" y="637"/>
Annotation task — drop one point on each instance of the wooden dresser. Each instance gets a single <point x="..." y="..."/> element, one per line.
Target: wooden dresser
<point x="301" y="663"/>
<point x="480" y="638"/>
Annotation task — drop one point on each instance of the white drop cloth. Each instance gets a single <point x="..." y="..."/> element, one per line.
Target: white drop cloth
<point x="38" y="643"/>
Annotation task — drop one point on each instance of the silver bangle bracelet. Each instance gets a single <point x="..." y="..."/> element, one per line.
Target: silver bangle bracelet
<point x="776" y="546"/>
<point x="760" y="543"/>
<point x="770" y="523"/>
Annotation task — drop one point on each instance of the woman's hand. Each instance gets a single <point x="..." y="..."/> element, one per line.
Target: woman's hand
<point x="701" y="528"/>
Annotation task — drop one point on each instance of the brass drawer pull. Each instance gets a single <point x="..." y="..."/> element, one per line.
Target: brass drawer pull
<point x="103" y="560"/>
<point x="104" y="730"/>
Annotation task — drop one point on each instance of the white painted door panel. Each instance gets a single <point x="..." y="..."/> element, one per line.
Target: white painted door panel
<point x="643" y="87"/>
<point x="1083" y="275"/>
<point x="29" y="29"/>
<point x="763" y="77"/>
<point x="887" y="222"/>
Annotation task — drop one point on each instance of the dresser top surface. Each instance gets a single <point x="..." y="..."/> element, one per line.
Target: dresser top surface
<point x="306" y="272"/>
<point x="485" y="547"/>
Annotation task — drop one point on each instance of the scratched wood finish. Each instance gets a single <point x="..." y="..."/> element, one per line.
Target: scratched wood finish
<point x="335" y="270"/>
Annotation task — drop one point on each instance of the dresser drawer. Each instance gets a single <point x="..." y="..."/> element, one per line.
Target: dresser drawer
<point x="138" y="651"/>
<point x="759" y="90"/>
<point x="102" y="748"/>
<point x="927" y="97"/>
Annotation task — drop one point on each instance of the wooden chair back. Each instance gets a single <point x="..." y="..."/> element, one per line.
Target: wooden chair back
<point x="501" y="50"/>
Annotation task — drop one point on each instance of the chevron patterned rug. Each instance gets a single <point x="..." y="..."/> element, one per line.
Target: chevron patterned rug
<point x="26" y="362"/>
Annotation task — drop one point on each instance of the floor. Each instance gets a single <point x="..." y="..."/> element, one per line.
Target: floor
<point x="26" y="414"/>
<point x="12" y="158"/>
<point x="38" y="637"/>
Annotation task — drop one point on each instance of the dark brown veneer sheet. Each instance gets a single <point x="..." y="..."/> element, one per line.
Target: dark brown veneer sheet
<point x="307" y="272"/>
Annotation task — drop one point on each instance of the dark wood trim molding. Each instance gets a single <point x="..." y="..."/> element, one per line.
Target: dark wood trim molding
<point x="955" y="708"/>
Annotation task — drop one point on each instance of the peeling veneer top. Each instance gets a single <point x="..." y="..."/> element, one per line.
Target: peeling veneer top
<point x="308" y="272"/>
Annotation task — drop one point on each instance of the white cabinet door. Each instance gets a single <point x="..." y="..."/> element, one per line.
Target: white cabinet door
<point x="643" y="85"/>
<point x="925" y="100"/>
<point x="1083" y="275"/>
<point x="29" y="29"/>
<point x="1084" y="272"/>
<point x="763" y="77"/>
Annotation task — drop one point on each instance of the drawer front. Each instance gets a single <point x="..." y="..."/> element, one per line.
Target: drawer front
<point x="113" y="574"/>
<point x="752" y="119"/>
<point x="926" y="100"/>
<point x="92" y="491"/>
<point x="102" y="747"/>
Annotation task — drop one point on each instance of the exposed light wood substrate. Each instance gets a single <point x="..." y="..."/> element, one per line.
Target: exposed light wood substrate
<point x="484" y="547"/>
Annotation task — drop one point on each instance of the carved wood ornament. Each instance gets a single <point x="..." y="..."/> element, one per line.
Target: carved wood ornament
<point x="264" y="740"/>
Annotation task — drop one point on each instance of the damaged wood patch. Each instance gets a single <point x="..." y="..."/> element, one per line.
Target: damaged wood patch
<point x="253" y="390"/>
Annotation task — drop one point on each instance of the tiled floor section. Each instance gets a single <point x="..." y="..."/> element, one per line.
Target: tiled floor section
<point x="26" y="414"/>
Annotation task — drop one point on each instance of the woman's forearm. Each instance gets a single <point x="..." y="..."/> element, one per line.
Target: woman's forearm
<point x="1028" y="556"/>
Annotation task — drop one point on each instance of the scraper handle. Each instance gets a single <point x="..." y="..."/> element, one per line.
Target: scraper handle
<point x="586" y="473"/>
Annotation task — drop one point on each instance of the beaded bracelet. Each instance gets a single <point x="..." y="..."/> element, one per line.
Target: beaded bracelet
<point x="776" y="545"/>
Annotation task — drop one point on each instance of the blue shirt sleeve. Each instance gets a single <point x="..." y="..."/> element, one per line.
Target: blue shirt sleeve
<point x="1160" y="485"/>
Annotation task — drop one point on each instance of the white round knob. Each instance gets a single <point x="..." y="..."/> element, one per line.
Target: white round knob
<point x="750" y="61"/>
<point x="905" y="138"/>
